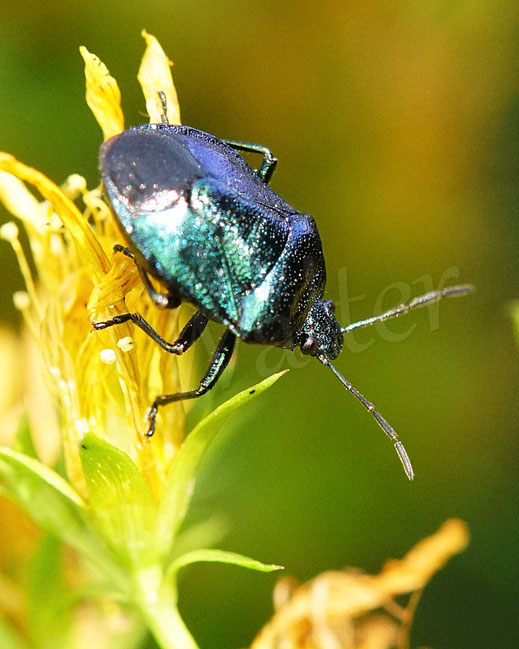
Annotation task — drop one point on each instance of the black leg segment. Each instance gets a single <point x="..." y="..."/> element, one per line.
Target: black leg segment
<point x="126" y="251"/>
<point x="219" y="362"/>
<point x="189" y="334"/>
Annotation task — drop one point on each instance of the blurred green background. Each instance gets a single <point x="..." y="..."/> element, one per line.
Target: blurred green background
<point x="396" y="125"/>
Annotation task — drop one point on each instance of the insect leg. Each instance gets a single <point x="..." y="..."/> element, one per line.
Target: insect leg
<point x="126" y="251"/>
<point x="422" y="300"/>
<point x="269" y="161"/>
<point x="189" y="334"/>
<point x="219" y="362"/>
<point x="162" y="300"/>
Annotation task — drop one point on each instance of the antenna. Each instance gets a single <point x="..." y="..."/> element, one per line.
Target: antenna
<point x="422" y="300"/>
<point x="399" y="447"/>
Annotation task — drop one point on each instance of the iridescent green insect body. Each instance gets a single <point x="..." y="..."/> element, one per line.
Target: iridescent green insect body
<point x="209" y="228"/>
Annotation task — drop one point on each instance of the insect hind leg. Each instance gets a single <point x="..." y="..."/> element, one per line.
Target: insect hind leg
<point x="219" y="362"/>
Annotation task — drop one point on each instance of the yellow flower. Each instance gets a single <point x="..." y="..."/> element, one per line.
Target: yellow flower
<point x="103" y="381"/>
<point x="353" y="610"/>
<point x="126" y="496"/>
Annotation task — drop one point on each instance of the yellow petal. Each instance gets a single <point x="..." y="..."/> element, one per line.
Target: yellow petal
<point x="347" y="597"/>
<point x="378" y="632"/>
<point x="19" y="200"/>
<point x="103" y="95"/>
<point x="113" y="288"/>
<point x="154" y="77"/>
<point x="427" y="557"/>
<point x="87" y="244"/>
<point x="11" y="380"/>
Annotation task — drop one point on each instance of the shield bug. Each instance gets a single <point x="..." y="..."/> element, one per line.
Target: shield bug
<point x="200" y="220"/>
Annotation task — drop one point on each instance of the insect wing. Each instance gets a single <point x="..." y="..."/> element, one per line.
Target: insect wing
<point x="231" y="247"/>
<point x="193" y="231"/>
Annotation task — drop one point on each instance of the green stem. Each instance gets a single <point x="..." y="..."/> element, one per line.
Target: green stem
<point x="157" y="601"/>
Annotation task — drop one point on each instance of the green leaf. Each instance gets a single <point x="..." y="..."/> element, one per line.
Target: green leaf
<point x="208" y="532"/>
<point x="48" y="612"/>
<point x="121" y="504"/>
<point x="52" y="503"/>
<point x="45" y="496"/>
<point x="219" y="556"/>
<point x="181" y="480"/>
<point x="23" y="441"/>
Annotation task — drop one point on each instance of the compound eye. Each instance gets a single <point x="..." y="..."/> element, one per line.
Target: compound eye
<point x="331" y="305"/>
<point x="309" y="346"/>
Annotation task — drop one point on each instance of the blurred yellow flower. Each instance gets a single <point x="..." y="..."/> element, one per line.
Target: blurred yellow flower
<point x="353" y="610"/>
<point x="102" y="382"/>
<point x="23" y="390"/>
<point x="124" y="497"/>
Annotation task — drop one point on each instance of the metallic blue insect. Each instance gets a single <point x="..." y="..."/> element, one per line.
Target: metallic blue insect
<point x="200" y="220"/>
